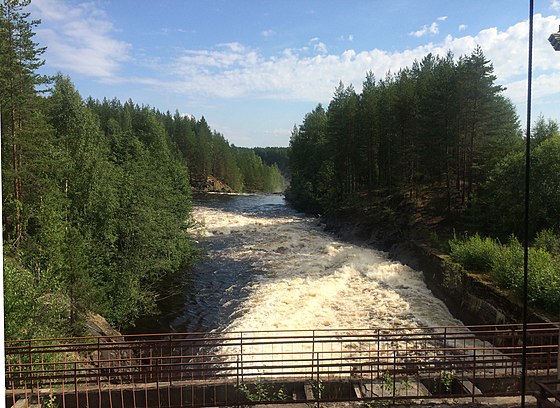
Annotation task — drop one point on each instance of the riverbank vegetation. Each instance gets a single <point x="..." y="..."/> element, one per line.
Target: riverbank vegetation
<point x="432" y="150"/>
<point x="96" y="194"/>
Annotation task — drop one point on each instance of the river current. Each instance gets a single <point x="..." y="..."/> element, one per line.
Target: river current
<point x="268" y="268"/>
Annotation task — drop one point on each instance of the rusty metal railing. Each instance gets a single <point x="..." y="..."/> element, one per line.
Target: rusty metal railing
<point x="246" y="368"/>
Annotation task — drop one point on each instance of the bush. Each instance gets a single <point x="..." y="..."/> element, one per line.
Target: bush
<point x="543" y="280"/>
<point x="549" y="241"/>
<point x="30" y="311"/>
<point x="475" y="253"/>
<point x="507" y="267"/>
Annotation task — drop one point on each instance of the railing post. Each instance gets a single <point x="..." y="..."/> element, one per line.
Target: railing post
<point x="237" y="383"/>
<point x="170" y="366"/>
<point x="241" y="354"/>
<point x="157" y="378"/>
<point x="394" y="374"/>
<point x="312" y="350"/>
<point x="76" y="394"/>
<point x="473" y="372"/>
<point x="318" y="387"/>
<point x="312" y="354"/>
<point x="31" y="375"/>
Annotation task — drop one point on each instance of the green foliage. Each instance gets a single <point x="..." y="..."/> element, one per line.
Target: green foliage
<point x="435" y="129"/>
<point x="548" y="241"/>
<point x="446" y="380"/>
<point x="317" y="388"/>
<point x="507" y="266"/>
<point x="388" y="382"/>
<point x="256" y="175"/>
<point x="275" y="156"/>
<point x="50" y="402"/>
<point x="261" y="391"/>
<point x="31" y="309"/>
<point x="507" y="269"/>
<point x="96" y="195"/>
<point x="475" y="253"/>
<point x="499" y="208"/>
<point x="311" y="186"/>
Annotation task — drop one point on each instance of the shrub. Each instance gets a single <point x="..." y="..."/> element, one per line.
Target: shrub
<point x="475" y="253"/>
<point x="507" y="267"/>
<point x="543" y="280"/>
<point x="549" y="241"/>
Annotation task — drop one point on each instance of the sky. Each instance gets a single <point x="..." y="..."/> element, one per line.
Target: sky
<point x="255" y="68"/>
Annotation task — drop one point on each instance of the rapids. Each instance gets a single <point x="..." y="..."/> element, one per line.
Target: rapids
<point x="268" y="268"/>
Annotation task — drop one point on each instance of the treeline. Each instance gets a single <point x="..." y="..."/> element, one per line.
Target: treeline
<point x="439" y="136"/>
<point x="205" y="152"/>
<point x="436" y="148"/>
<point x="99" y="217"/>
<point x="96" y="194"/>
<point x="275" y="156"/>
<point x="432" y="131"/>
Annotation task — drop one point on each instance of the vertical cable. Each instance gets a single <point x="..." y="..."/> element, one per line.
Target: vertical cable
<point x="526" y="229"/>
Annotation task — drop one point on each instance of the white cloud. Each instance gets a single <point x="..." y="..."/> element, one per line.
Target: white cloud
<point x="432" y="29"/>
<point x="234" y="70"/>
<point x="79" y="38"/>
<point x="318" y="46"/>
<point x="555" y="5"/>
<point x="267" y="33"/>
<point x="462" y="27"/>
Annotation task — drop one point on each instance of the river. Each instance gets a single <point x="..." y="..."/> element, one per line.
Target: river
<point x="268" y="267"/>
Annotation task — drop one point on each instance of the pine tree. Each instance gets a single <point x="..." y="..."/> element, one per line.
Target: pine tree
<point x="20" y="58"/>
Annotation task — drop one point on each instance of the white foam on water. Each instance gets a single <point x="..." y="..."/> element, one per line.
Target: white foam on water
<point x="309" y="280"/>
<point x="306" y="279"/>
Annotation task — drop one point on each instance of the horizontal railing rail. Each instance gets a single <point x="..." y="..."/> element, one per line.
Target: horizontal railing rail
<point x="245" y="368"/>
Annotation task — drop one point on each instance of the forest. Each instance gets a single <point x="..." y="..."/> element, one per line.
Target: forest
<point x="97" y="195"/>
<point x="437" y="149"/>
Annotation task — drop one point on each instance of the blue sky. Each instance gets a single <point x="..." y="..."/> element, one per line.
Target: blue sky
<point x="254" y="68"/>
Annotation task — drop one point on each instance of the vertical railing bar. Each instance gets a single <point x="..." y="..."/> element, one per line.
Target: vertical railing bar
<point x="134" y="365"/>
<point x="109" y="381"/>
<point x="98" y="371"/>
<point x="394" y="373"/>
<point x="241" y="354"/>
<point x="169" y="368"/>
<point x="146" y="394"/>
<point x="156" y="368"/>
<point x="87" y="390"/>
<point x="181" y="378"/>
<point x="318" y="386"/>
<point x="474" y="373"/>
<point x="76" y="382"/>
<point x="64" y="384"/>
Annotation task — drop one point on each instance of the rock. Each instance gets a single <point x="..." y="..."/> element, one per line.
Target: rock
<point x="210" y="185"/>
<point x="97" y="325"/>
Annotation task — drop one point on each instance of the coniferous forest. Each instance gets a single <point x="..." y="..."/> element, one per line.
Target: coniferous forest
<point x="96" y="194"/>
<point x="437" y="148"/>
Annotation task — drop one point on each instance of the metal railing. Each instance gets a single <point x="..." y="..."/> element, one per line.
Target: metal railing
<point x="245" y="368"/>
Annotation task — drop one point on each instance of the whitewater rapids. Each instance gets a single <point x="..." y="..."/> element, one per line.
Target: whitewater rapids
<point x="305" y="278"/>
